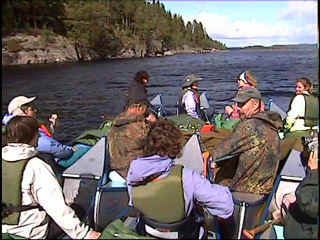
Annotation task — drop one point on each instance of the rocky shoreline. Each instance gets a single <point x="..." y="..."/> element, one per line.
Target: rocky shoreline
<point x="24" y="48"/>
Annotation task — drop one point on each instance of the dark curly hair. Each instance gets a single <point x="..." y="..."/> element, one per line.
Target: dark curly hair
<point x="164" y="139"/>
<point x="141" y="75"/>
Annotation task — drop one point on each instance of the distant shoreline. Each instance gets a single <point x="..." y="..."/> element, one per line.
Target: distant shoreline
<point x="278" y="46"/>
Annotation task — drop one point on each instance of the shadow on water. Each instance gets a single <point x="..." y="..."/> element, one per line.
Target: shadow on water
<point x="82" y="92"/>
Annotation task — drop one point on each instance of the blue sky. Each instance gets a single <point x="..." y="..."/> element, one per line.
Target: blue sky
<point x="244" y="23"/>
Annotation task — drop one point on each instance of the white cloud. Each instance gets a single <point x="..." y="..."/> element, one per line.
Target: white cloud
<point x="300" y="11"/>
<point x="296" y="24"/>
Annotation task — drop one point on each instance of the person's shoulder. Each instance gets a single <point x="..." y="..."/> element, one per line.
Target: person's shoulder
<point x="298" y="97"/>
<point x="36" y="163"/>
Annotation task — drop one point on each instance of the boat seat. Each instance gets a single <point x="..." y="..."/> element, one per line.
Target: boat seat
<point x="249" y="209"/>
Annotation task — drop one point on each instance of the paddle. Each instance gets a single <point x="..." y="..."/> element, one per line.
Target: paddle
<point x="250" y="234"/>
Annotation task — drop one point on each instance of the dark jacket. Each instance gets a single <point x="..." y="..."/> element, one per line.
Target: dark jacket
<point x="303" y="216"/>
<point x="124" y="140"/>
<point x="136" y="91"/>
<point x="256" y="142"/>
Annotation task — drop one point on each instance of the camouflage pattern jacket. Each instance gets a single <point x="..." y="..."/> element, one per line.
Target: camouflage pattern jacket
<point x="124" y="140"/>
<point x="257" y="144"/>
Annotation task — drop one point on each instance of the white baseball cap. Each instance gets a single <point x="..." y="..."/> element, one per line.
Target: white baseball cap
<point x="17" y="102"/>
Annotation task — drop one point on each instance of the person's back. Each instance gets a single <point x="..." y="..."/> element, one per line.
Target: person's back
<point x="28" y="182"/>
<point x="300" y="210"/>
<point x="128" y="128"/>
<point x="137" y="89"/>
<point x="168" y="194"/>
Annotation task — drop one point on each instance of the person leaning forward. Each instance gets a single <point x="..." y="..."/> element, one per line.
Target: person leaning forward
<point x="128" y="128"/>
<point x="169" y="194"/>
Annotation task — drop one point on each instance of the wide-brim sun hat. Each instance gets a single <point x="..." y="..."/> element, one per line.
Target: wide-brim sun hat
<point x="17" y="102"/>
<point x="246" y="94"/>
<point x="190" y="79"/>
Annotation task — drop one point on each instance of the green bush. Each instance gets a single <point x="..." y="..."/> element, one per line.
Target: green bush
<point x="47" y="36"/>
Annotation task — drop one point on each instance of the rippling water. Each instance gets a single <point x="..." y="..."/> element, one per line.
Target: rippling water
<point x="81" y="93"/>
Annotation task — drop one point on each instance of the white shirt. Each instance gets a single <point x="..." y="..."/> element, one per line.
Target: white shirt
<point x="40" y="186"/>
<point x="190" y="103"/>
<point x="297" y="110"/>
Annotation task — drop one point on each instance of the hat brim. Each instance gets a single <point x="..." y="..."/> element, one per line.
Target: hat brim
<point x="240" y="99"/>
<point x="31" y="99"/>
<point x="187" y="84"/>
<point x="28" y="100"/>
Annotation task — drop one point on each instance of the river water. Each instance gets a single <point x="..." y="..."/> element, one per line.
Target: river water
<point x="82" y="92"/>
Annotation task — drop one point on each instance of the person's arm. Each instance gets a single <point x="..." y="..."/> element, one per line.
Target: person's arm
<point x="242" y="139"/>
<point x="297" y="109"/>
<point x="190" y="105"/>
<point x="52" y="146"/>
<point x="49" y="195"/>
<point x="217" y="199"/>
<point x="307" y="196"/>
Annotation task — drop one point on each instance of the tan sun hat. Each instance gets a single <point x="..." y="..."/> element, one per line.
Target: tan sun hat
<point x="190" y="79"/>
<point x="17" y="102"/>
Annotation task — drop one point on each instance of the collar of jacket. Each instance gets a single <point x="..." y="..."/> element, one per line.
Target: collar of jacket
<point x="18" y="151"/>
<point x="126" y="118"/>
<point x="272" y="118"/>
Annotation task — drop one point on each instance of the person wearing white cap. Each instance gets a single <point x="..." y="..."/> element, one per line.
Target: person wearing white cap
<point x="23" y="106"/>
<point x="189" y="101"/>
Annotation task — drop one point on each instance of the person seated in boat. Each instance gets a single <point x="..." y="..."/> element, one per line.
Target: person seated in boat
<point x="302" y="117"/>
<point x="303" y="113"/>
<point x="254" y="148"/>
<point x="189" y="99"/>
<point x="137" y="89"/>
<point x="302" y="219"/>
<point x="300" y="210"/>
<point x="245" y="79"/>
<point x="128" y="128"/>
<point x="168" y="195"/>
<point x="30" y="190"/>
<point x="24" y="106"/>
<point x="255" y="141"/>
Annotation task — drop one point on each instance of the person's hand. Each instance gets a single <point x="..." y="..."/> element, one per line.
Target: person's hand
<point x="228" y="110"/>
<point x="213" y="165"/>
<point x="289" y="199"/>
<point x="151" y="117"/>
<point x="93" y="235"/>
<point x="313" y="160"/>
<point x="53" y="119"/>
<point x="74" y="149"/>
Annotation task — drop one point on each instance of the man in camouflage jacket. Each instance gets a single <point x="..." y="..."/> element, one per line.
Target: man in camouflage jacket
<point x="256" y="142"/>
<point x="128" y="128"/>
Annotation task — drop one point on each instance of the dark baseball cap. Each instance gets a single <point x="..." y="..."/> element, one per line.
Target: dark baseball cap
<point x="246" y="94"/>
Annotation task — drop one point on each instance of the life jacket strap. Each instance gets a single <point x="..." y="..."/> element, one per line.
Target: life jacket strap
<point x="8" y="209"/>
